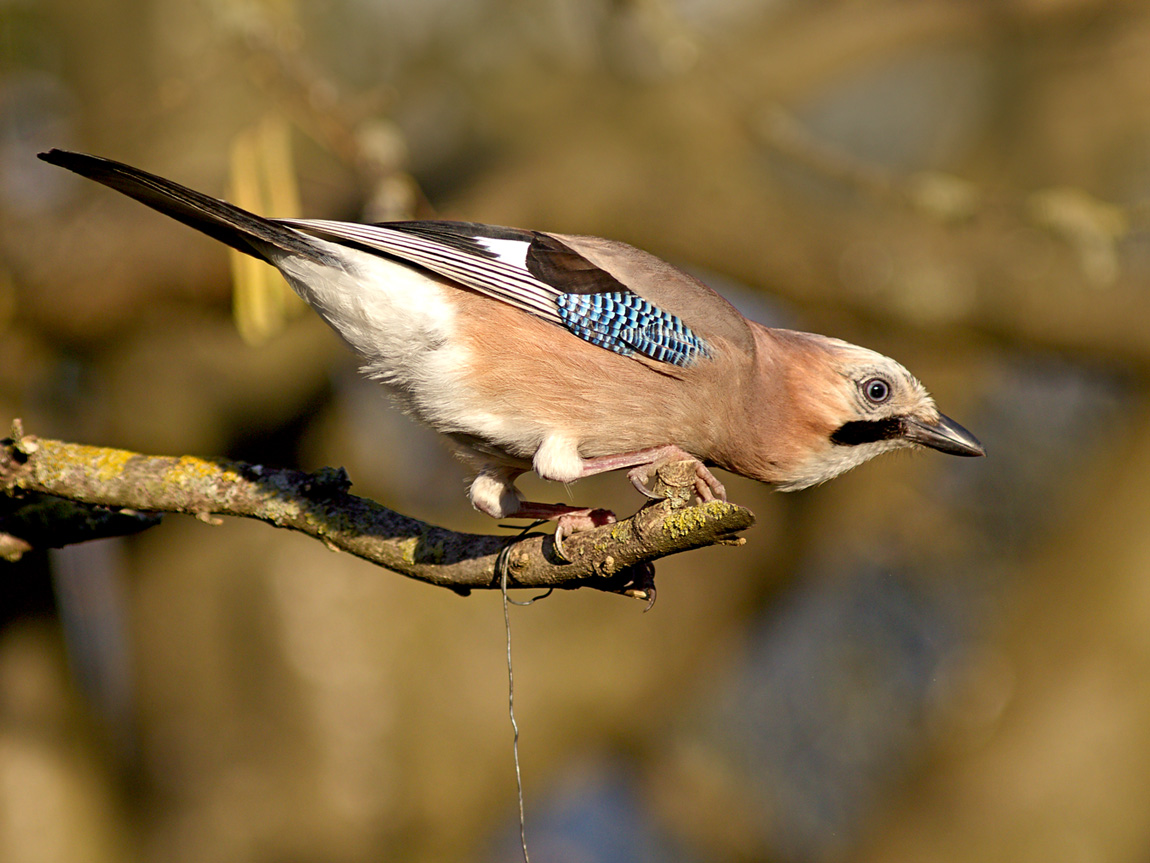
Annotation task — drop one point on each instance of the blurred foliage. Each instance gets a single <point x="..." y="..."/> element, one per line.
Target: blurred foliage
<point x="925" y="658"/>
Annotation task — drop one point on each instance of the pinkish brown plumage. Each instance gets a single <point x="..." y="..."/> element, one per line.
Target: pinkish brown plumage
<point x="570" y="355"/>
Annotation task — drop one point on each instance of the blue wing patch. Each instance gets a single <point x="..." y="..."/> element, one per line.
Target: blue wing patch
<point x="627" y="324"/>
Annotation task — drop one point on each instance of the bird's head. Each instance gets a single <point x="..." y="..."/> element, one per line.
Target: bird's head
<point x="858" y="404"/>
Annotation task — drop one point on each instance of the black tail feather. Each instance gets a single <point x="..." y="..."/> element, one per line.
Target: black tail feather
<point x="218" y="219"/>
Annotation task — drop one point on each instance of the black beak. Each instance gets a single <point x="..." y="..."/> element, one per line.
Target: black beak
<point x="944" y="435"/>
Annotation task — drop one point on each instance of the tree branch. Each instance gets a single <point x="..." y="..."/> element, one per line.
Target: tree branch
<point x="616" y="558"/>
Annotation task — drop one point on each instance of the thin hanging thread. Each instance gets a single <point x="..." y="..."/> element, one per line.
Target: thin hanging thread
<point x="502" y="565"/>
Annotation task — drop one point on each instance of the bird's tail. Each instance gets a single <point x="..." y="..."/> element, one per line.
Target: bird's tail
<point x="225" y="222"/>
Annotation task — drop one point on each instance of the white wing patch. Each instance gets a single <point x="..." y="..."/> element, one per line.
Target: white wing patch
<point x="512" y="252"/>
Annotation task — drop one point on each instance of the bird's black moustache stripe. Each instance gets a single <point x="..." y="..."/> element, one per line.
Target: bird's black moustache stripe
<point x="867" y="431"/>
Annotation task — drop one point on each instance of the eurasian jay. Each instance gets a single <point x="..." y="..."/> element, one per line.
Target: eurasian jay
<point x="570" y="355"/>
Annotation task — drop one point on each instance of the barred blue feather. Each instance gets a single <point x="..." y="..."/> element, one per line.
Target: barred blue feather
<point x="624" y="322"/>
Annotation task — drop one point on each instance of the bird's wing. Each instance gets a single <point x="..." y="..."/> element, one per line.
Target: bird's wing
<point x="708" y="314"/>
<point x="535" y="272"/>
<point x="607" y="293"/>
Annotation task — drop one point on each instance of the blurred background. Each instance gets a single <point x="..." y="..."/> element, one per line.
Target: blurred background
<point x="929" y="659"/>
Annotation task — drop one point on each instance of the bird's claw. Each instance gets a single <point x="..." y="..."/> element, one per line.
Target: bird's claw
<point x="572" y="522"/>
<point x="707" y="487"/>
<point x="639" y="476"/>
<point x="642" y="583"/>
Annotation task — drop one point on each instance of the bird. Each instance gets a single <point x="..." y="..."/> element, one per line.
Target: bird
<point x="570" y="355"/>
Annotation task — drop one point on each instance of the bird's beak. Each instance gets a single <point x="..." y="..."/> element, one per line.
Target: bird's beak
<point x="944" y="435"/>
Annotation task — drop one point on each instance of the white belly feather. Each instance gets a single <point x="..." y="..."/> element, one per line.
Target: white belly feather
<point x="401" y="322"/>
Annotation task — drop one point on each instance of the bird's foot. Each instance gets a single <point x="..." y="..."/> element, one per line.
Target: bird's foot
<point x="572" y="522"/>
<point x="568" y="520"/>
<point x="644" y="462"/>
<point x="707" y="487"/>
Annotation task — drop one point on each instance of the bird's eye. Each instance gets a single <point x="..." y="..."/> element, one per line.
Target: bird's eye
<point x="876" y="390"/>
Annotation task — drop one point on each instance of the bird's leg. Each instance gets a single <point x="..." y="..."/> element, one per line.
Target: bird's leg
<point x="571" y="517"/>
<point x="643" y="461"/>
<point x="568" y="519"/>
<point x="493" y="492"/>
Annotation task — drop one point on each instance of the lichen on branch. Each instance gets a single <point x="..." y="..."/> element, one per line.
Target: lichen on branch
<point x="120" y="492"/>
